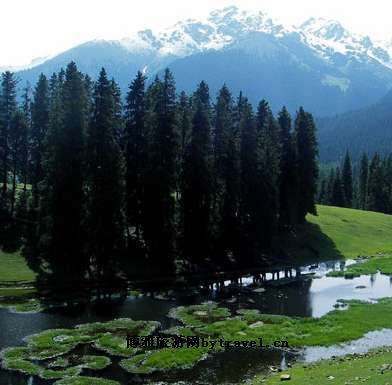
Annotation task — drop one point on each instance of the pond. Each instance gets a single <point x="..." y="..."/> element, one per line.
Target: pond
<point x="312" y="294"/>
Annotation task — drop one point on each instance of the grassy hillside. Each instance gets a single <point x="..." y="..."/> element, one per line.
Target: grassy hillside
<point x="342" y="233"/>
<point x="13" y="267"/>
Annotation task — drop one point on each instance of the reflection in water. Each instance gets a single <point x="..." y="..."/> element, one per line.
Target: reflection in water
<point x="298" y="296"/>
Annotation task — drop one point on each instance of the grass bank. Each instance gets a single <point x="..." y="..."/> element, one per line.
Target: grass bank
<point x="13" y="268"/>
<point x="372" y="368"/>
<point x="382" y="264"/>
<point x="340" y="233"/>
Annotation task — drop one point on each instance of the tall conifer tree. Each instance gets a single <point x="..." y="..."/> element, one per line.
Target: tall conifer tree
<point x="307" y="152"/>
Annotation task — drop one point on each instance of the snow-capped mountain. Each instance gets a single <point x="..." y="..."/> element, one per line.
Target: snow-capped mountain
<point x="219" y="30"/>
<point x="319" y="64"/>
<point x="329" y="38"/>
<point x="224" y="27"/>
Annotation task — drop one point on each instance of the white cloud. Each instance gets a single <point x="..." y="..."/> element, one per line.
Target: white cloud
<point x="31" y="29"/>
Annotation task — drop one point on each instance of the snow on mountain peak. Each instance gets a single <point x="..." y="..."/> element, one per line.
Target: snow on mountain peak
<point x="219" y="29"/>
<point x="225" y="26"/>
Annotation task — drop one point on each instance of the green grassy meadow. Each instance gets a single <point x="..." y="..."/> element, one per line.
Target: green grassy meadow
<point x="13" y="267"/>
<point x="340" y="233"/>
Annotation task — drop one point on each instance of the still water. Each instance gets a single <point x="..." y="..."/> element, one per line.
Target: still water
<point x="303" y="297"/>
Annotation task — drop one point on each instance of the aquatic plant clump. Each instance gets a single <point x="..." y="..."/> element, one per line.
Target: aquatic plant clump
<point x="21" y="365"/>
<point x="20" y="305"/>
<point x="121" y="326"/>
<point x="164" y="359"/>
<point x="94" y="362"/>
<point x="51" y="374"/>
<point x="199" y="315"/>
<point x="55" y="342"/>
<point x="111" y="336"/>
<point x="80" y="380"/>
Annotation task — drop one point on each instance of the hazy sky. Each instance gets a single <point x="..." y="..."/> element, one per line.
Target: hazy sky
<point x="35" y="28"/>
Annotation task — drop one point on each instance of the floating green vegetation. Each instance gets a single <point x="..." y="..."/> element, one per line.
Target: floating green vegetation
<point x="135" y="364"/>
<point x="21" y="365"/>
<point x="95" y="362"/>
<point x="59" y="362"/>
<point x="80" y="380"/>
<point x="372" y="368"/>
<point x="85" y="362"/>
<point x="111" y="336"/>
<point x="115" y="345"/>
<point x="207" y="321"/>
<point x="14" y="353"/>
<point x="335" y="327"/>
<point x="21" y="304"/>
<point x="372" y="265"/>
<point x="199" y="315"/>
<point x="121" y="326"/>
<point x="51" y="374"/>
<point x="164" y="359"/>
<point x="55" y="342"/>
<point x="32" y="306"/>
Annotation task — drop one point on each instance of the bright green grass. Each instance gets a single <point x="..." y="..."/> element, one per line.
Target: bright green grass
<point x="13" y="267"/>
<point x="371" y="266"/>
<point x="338" y="233"/>
<point x="369" y="369"/>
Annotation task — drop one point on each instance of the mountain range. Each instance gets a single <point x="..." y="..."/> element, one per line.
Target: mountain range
<point x="318" y="64"/>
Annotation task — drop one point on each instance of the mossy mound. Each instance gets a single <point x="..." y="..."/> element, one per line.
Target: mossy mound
<point x="14" y="353"/>
<point x="164" y="360"/>
<point x="121" y="326"/>
<point x="199" y="315"/>
<point x="21" y="365"/>
<point x="112" y="336"/>
<point x="80" y="380"/>
<point x="95" y="362"/>
<point x="55" y="342"/>
<point x="51" y="374"/>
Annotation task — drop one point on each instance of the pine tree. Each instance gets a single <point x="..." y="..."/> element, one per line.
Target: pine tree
<point x="7" y="110"/>
<point x="40" y="124"/>
<point x="363" y="182"/>
<point x="105" y="198"/>
<point x="136" y="156"/>
<point x="306" y="149"/>
<point x="226" y="174"/>
<point x="268" y="161"/>
<point x="39" y="247"/>
<point x="377" y="194"/>
<point x="183" y="139"/>
<point x="196" y="195"/>
<point x="347" y="180"/>
<point x="250" y="201"/>
<point x="338" y="198"/>
<point x="288" y="185"/>
<point x="18" y="147"/>
<point x="160" y="181"/>
<point x="222" y="121"/>
<point x="66" y="213"/>
<point x="322" y="197"/>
